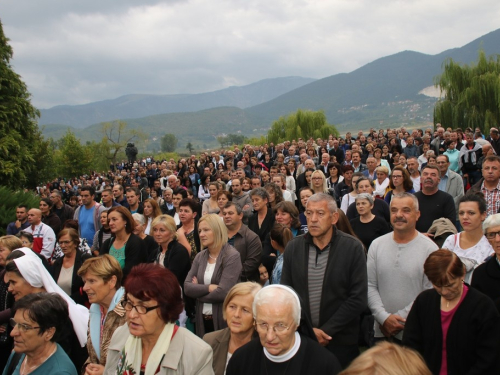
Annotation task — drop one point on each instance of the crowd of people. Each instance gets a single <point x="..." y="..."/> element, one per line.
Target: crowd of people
<point x="272" y="259"/>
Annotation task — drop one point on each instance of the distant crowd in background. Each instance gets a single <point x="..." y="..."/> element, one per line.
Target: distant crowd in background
<point x="277" y="258"/>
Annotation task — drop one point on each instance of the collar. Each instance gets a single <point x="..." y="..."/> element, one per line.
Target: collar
<point x="288" y="355"/>
<point x="484" y="188"/>
<point x="309" y="238"/>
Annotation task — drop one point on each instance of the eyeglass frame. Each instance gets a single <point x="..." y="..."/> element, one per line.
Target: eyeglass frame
<point x="492" y="235"/>
<point x="281" y="329"/>
<point x="21" y="326"/>
<point x="126" y="302"/>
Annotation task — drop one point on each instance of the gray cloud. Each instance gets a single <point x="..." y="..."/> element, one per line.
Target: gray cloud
<point x="78" y="52"/>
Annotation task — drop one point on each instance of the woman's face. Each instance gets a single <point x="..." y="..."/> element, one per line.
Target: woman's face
<point x="291" y="165"/>
<point x="68" y="247"/>
<point x="283" y="170"/>
<point x="28" y="341"/>
<point x="264" y="275"/>
<point x="363" y="206"/>
<point x="222" y="200"/>
<point x="284" y="218"/>
<point x="355" y="180"/>
<point x="469" y="216"/>
<point x="334" y="171"/>
<point x="348" y="176"/>
<point x="148" y="209"/>
<point x="272" y="195"/>
<point x="18" y="286"/>
<point x="206" y="234"/>
<point x="154" y="194"/>
<point x="4" y="253"/>
<point x="104" y="219"/>
<point x="44" y="207"/>
<point x="239" y="315"/>
<point x="431" y="161"/>
<point x="402" y="160"/>
<point x="258" y="203"/>
<point x="364" y="187"/>
<point x="245" y="186"/>
<point x="397" y="178"/>
<point x="98" y="291"/>
<point x="317" y="181"/>
<point x="139" y="228"/>
<point x="148" y="325"/>
<point x="212" y="189"/>
<point x="304" y="197"/>
<point x="385" y="149"/>
<point x="308" y="175"/>
<point x="381" y="176"/>
<point x="116" y="222"/>
<point x="452" y="290"/>
<point x="162" y="235"/>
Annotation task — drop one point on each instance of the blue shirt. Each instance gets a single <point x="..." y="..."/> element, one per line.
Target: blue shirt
<point x="443" y="182"/>
<point x="86" y="222"/>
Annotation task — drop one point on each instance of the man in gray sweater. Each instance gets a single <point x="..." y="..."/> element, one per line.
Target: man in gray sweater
<point x="396" y="268"/>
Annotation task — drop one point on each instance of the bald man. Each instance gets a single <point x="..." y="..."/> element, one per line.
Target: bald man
<point x="44" y="238"/>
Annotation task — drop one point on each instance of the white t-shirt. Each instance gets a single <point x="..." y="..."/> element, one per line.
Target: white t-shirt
<point x="207" y="280"/>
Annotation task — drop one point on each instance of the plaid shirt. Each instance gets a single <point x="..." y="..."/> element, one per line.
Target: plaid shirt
<point x="492" y="199"/>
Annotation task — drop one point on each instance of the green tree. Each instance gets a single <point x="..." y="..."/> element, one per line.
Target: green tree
<point x="168" y="142"/>
<point x="73" y="159"/>
<point x="301" y="124"/>
<point x="190" y="147"/>
<point x="116" y="136"/>
<point x="19" y="131"/>
<point x="471" y="94"/>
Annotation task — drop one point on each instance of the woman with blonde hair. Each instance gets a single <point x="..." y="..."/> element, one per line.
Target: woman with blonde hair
<point x="318" y="182"/>
<point x="388" y="359"/>
<point x="381" y="182"/>
<point x="151" y="211"/>
<point x="237" y="312"/>
<point x="214" y="272"/>
<point x="210" y="205"/>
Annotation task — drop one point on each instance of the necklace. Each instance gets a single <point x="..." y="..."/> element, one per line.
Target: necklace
<point x="211" y="257"/>
<point x="34" y="367"/>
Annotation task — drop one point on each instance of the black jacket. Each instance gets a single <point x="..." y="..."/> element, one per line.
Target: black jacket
<point x="345" y="289"/>
<point x="135" y="252"/>
<point x="77" y="293"/>
<point x="486" y="279"/>
<point x="472" y="342"/>
<point x="176" y="260"/>
<point x="265" y="228"/>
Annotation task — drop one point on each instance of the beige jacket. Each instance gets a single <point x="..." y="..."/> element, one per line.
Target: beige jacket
<point x="186" y="355"/>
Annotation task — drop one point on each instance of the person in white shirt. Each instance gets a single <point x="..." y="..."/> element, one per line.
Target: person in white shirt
<point x="44" y="238"/>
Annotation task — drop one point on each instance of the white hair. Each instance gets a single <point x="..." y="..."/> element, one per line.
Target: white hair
<point x="276" y="295"/>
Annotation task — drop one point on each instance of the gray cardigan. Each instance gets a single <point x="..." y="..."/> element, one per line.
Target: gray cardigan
<point x="226" y="275"/>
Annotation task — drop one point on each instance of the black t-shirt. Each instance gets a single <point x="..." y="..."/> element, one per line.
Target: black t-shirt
<point x="434" y="207"/>
<point x="367" y="232"/>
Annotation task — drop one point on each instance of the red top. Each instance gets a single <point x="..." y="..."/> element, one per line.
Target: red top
<point x="446" y="318"/>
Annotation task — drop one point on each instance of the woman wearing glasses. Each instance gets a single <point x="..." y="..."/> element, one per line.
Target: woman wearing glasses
<point x="470" y="245"/>
<point x="102" y="277"/>
<point x="39" y="322"/>
<point x="400" y="182"/>
<point x="150" y="342"/>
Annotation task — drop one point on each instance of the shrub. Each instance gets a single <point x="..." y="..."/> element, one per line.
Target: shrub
<point x="9" y="200"/>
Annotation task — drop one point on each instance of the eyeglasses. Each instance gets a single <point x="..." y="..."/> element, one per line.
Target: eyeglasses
<point x="397" y="176"/>
<point x="278" y="328"/>
<point x="21" y="326"/>
<point x="127" y="305"/>
<point x="317" y="178"/>
<point x="492" y="235"/>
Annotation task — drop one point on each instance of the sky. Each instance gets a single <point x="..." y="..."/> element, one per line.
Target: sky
<point x="76" y="52"/>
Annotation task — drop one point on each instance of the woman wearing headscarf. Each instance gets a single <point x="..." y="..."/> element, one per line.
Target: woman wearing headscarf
<point x="27" y="275"/>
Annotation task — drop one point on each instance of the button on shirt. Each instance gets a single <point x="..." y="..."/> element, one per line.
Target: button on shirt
<point x="492" y="198"/>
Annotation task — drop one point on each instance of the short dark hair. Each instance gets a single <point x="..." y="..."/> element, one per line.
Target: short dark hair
<point x="475" y="197"/>
<point x="47" y="310"/>
<point x="151" y="281"/>
<point x="180" y="191"/>
<point x="135" y="190"/>
<point x="88" y="188"/>
<point x="231" y="204"/>
<point x="23" y="206"/>
<point x="443" y="265"/>
<point x="188" y="202"/>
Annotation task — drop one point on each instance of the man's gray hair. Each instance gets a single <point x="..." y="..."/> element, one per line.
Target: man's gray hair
<point x="491" y="221"/>
<point x="277" y="295"/>
<point x="405" y="195"/>
<point x="323" y="197"/>
<point x="168" y="190"/>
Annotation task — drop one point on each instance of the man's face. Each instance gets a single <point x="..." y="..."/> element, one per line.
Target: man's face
<point x="21" y="214"/>
<point x="134" y="183"/>
<point x="55" y="198"/>
<point x="86" y="198"/>
<point x="132" y="199"/>
<point x="176" y="198"/>
<point x="117" y="193"/>
<point x="106" y="197"/>
<point x="371" y="163"/>
<point x="404" y="215"/>
<point x="325" y="158"/>
<point x="309" y="164"/>
<point x="167" y="196"/>
<point x="491" y="171"/>
<point x="236" y="185"/>
<point x="186" y="215"/>
<point x="319" y="218"/>
<point x="442" y="164"/>
<point x="355" y="158"/>
<point x="412" y="166"/>
<point x="231" y="217"/>
<point x="348" y="156"/>
<point x="430" y="178"/>
<point x="157" y="185"/>
<point x="34" y="217"/>
<point x="172" y="182"/>
<point x="240" y="173"/>
<point x="255" y="183"/>
<point x="272" y="172"/>
<point x="409" y="141"/>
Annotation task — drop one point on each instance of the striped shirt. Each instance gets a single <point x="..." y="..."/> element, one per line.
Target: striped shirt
<point x="316" y="273"/>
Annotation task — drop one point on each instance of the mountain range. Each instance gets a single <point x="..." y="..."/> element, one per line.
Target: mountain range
<point x="386" y="92"/>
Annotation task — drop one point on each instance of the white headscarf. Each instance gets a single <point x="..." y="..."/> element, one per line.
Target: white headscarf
<point x="33" y="271"/>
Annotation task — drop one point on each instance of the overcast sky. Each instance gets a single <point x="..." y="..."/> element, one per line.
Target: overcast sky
<point x="75" y="52"/>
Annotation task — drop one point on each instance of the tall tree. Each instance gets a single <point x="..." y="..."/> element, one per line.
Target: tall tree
<point x="301" y="124"/>
<point x="73" y="159"/>
<point x="19" y="133"/>
<point x="117" y="136"/>
<point x="168" y="142"/>
<point x="471" y="94"/>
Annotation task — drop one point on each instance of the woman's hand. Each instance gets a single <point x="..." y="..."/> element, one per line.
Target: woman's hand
<point x="194" y="280"/>
<point x="212" y="287"/>
<point x="94" y="369"/>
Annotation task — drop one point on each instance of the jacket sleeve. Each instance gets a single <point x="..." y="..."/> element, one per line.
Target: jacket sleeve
<point x="178" y="261"/>
<point x="195" y="290"/>
<point x="133" y="254"/>
<point x="253" y="254"/>
<point x="356" y="302"/>
<point x="231" y="270"/>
